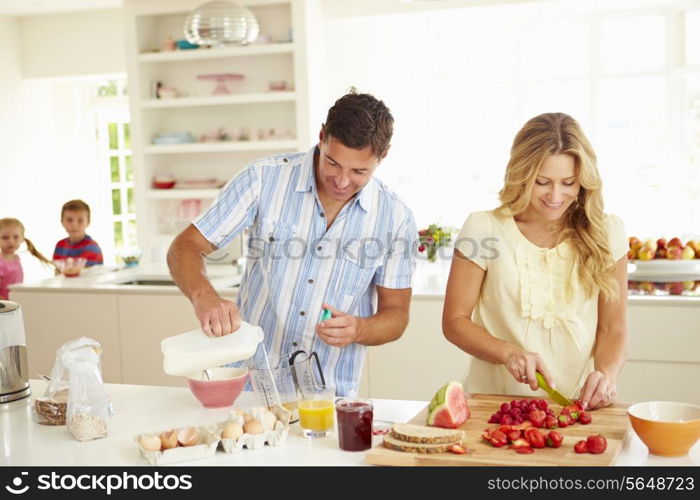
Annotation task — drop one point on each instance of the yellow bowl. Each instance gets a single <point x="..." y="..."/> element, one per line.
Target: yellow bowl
<point x="668" y="428"/>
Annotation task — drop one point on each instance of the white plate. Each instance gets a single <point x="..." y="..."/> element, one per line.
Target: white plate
<point x="664" y="270"/>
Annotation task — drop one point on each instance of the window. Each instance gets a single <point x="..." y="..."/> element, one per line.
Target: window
<point x="627" y="76"/>
<point x="114" y="137"/>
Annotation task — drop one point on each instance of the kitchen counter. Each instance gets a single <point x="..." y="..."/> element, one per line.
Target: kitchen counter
<point x="148" y="408"/>
<point x="112" y="279"/>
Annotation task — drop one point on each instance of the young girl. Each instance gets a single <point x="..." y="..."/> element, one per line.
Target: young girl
<point x="540" y="283"/>
<point x="11" y="237"/>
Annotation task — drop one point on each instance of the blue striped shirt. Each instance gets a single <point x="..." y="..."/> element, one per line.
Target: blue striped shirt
<point x="294" y="264"/>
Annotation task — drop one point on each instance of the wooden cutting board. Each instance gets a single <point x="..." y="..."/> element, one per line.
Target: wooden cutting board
<point x="611" y="422"/>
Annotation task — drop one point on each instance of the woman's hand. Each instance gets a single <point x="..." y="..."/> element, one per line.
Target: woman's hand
<point x="599" y="391"/>
<point x="522" y="365"/>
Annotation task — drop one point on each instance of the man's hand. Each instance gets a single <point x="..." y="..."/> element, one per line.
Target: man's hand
<point x="217" y="316"/>
<point x="342" y="329"/>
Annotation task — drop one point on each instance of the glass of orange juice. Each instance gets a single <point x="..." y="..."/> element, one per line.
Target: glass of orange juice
<point x="316" y="410"/>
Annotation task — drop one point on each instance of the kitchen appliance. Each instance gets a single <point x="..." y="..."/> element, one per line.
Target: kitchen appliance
<point x="276" y="379"/>
<point x="14" y="380"/>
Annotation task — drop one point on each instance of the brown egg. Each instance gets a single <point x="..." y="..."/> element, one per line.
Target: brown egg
<point x="232" y="430"/>
<point x="188" y="436"/>
<point x="247" y="417"/>
<point x="253" y="427"/>
<point x="149" y="442"/>
<point x="168" y="439"/>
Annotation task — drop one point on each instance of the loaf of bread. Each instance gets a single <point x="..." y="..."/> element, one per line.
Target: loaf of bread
<point x="426" y="435"/>
<point x="398" y="445"/>
<point x="421" y="439"/>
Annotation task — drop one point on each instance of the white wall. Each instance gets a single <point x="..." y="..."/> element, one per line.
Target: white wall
<point x="76" y="43"/>
<point x="48" y="146"/>
<point x="461" y="82"/>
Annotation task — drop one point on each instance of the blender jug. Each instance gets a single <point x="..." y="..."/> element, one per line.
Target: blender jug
<point x="14" y="380"/>
<point x="275" y="378"/>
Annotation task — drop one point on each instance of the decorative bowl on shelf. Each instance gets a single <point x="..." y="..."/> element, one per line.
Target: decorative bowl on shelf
<point x="277" y="85"/>
<point x="221" y="80"/>
<point x="164" y="182"/>
<point x="185" y="45"/>
<point x="209" y="183"/>
<point x="174" y="138"/>
<point x="221" y="23"/>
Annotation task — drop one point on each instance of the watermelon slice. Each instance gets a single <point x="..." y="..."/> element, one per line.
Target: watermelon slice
<point x="449" y="407"/>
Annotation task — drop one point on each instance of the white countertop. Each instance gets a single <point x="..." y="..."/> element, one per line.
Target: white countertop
<point x="429" y="282"/>
<point x="150" y="408"/>
<point x="109" y="279"/>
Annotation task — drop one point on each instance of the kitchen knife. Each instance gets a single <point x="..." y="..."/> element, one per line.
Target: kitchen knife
<point x="556" y="396"/>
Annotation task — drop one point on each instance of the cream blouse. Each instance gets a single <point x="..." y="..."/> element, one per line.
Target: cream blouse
<point x="525" y="300"/>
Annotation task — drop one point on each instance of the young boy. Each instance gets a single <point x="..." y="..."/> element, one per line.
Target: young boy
<point x="75" y="218"/>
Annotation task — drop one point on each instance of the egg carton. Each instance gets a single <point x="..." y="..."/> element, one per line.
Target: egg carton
<point x="206" y="447"/>
<point x="273" y="436"/>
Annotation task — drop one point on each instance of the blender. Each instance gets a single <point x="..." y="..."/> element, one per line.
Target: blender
<point x="14" y="380"/>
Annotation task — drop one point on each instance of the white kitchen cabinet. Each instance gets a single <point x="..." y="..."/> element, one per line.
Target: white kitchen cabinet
<point x="663" y="361"/>
<point x="52" y="319"/>
<point x="420" y="362"/>
<point x="145" y="320"/>
<point x="664" y="356"/>
<point x="162" y="213"/>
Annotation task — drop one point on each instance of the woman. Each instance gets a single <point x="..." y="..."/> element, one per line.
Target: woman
<point x="540" y="283"/>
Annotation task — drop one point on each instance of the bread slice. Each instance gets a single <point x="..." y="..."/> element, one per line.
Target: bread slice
<point x="426" y="435"/>
<point x="396" y="444"/>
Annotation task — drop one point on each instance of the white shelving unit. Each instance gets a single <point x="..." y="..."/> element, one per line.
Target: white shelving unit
<point x="295" y="29"/>
<point x="181" y="194"/>
<point x="258" y="98"/>
<point x="218" y="147"/>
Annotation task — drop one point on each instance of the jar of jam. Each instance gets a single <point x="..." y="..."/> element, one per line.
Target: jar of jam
<point x="354" y="424"/>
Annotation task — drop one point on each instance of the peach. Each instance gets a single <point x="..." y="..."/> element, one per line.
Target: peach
<point x="645" y="253"/>
<point x="688" y="253"/>
<point x="674" y="252"/>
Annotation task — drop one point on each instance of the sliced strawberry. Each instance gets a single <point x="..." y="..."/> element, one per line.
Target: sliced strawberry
<point x="458" y="449"/>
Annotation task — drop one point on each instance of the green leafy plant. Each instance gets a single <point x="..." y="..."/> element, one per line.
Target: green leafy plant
<point x="432" y="238"/>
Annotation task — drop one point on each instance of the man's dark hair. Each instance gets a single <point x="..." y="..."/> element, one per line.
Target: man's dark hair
<point x="360" y="120"/>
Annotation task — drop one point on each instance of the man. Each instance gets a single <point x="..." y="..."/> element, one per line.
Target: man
<point x="324" y="233"/>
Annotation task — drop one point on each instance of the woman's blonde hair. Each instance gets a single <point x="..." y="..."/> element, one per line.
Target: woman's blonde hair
<point x="10" y="222"/>
<point x="585" y="223"/>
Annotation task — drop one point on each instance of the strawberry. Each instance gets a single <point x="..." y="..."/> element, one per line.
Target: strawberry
<point x="537" y="417"/>
<point x="520" y="443"/>
<point x="572" y="411"/>
<point x="550" y="422"/>
<point x="535" y="438"/>
<point x="585" y="418"/>
<point x="513" y="436"/>
<point x="596" y="444"/>
<point x="458" y="449"/>
<point x="563" y="421"/>
<point x="554" y="439"/>
<point x="581" y="447"/>
<point x="524" y="450"/>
